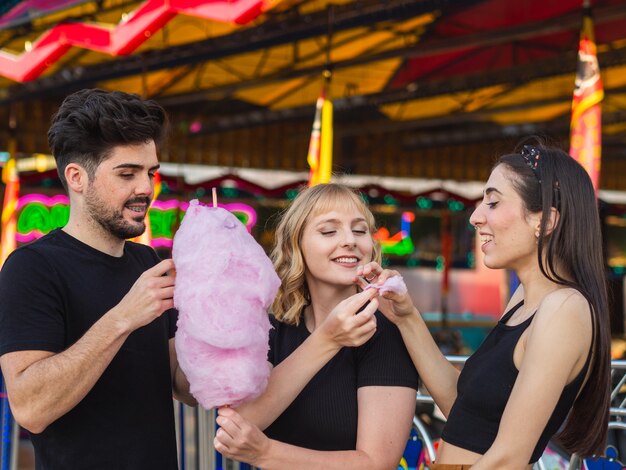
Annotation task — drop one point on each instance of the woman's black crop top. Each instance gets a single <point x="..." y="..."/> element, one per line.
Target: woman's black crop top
<point x="484" y="388"/>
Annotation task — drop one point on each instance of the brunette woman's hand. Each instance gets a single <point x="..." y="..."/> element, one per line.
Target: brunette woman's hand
<point x="396" y="307"/>
<point x="352" y="322"/>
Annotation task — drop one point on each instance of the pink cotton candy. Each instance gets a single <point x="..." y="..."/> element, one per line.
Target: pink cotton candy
<point x="220" y="376"/>
<point x="393" y="284"/>
<point x="225" y="284"/>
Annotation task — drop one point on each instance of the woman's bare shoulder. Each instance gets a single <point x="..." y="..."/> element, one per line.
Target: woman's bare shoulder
<point x="566" y="309"/>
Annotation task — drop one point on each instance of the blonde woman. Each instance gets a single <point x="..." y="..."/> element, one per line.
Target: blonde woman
<point x="342" y="391"/>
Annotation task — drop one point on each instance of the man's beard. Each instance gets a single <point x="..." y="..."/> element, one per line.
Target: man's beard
<point x="112" y="220"/>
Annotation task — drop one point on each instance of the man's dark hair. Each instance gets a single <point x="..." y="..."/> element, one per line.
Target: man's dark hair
<point x="90" y="123"/>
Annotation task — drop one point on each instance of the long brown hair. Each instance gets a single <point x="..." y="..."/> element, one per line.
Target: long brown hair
<point x="547" y="177"/>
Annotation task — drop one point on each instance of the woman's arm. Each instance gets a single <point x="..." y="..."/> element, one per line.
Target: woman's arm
<point x="180" y="384"/>
<point x="439" y="376"/>
<point x="343" y="327"/>
<point x="556" y="349"/>
<point x="385" y="417"/>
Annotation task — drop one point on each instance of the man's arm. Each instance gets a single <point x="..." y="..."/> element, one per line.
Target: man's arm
<point x="43" y="386"/>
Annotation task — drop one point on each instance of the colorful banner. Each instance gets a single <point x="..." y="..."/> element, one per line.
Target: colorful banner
<point x="320" y="156"/>
<point x="10" y="177"/>
<point x="586" y="124"/>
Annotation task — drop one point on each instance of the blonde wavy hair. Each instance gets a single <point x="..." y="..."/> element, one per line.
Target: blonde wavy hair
<point x="287" y="256"/>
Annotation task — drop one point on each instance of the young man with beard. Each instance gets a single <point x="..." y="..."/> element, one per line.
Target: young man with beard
<point x="86" y="319"/>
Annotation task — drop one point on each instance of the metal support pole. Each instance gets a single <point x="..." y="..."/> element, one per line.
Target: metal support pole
<point x="425" y="437"/>
<point x="15" y="445"/>
<point x="206" y="434"/>
<point x="231" y="464"/>
<point x="6" y="428"/>
<point x="190" y="441"/>
<point x="180" y="437"/>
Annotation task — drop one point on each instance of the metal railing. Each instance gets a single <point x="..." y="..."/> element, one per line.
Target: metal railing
<point x="616" y="414"/>
<point x="618" y="403"/>
<point x="423" y="397"/>
<point x="196" y="429"/>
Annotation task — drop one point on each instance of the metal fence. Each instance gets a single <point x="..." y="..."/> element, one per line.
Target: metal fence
<point x="616" y="419"/>
<point x="196" y="429"/>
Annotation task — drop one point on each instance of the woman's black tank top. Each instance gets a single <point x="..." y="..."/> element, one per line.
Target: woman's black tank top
<point x="485" y="385"/>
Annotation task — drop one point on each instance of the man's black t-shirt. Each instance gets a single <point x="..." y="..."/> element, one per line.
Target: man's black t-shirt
<point x="52" y="291"/>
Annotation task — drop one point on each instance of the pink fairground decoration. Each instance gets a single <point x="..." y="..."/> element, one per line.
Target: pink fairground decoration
<point x="225" y="284"/>
<point x="393" y="284"/>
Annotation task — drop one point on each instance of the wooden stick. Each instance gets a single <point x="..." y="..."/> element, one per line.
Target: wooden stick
<point x="214" y="191"/>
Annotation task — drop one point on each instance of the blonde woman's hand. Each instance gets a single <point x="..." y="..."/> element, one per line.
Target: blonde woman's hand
<point x="239" y="439"/>
<point x="352" y="322"/>
<point x="396" y="307"/>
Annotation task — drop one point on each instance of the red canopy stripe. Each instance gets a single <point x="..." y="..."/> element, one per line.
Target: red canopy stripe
<point x="126" y="36"/>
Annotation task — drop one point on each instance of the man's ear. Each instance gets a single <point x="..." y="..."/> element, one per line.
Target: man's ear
<point x="76" y="177"/>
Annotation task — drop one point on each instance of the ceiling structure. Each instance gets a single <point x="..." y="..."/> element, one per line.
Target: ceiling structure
<point x="448" y="82"/>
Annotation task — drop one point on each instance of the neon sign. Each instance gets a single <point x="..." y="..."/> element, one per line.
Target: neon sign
<point x="39" y="214"/>
<point x="165" y="216"/>
<point x="401" y="243"/>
